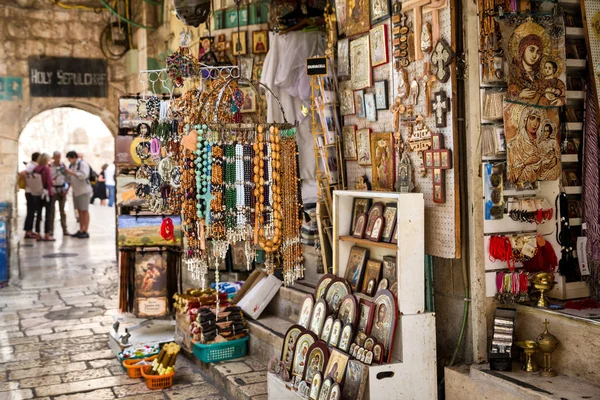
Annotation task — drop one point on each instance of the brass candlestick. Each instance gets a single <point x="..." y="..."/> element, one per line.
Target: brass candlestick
<point x="543" y="282"/>
<point x="547" y="343"/>
<point x="529" y="347"/>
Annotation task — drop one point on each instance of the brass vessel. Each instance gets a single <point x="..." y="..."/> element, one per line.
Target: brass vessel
<point x="547" y="343"/>
<point x="543" y="282"/>
<point x="529" y="347"/>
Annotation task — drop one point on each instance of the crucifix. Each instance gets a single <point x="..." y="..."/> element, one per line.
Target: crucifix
<point x="441" y="106"/>
<point x="417" y="7"/>
<point x="442" y="58"/>
<point x="428" y="78"/>
<point x="419" y="139"/>
<point x="434" y="8"/>
<point x="438" y="159"/>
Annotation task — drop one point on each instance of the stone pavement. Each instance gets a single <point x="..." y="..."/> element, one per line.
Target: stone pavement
<point x="54" y="324"/>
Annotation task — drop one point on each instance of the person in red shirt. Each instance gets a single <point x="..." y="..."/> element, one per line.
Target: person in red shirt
<point x="48" y="191"/>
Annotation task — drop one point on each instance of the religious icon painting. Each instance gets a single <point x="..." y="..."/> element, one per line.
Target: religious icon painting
<point x="343" y="57"/>
<point x="336" y="366"/>
<point x="249" y="103"/>
<point x="318" y="317"/>
<point x="384" y="323"/>
<point x="359" y="206"/>
<point x="357" y="17"/>
<point x="257" y="71"/>
<point x="372" y="273"/>
<point x="359" y="104"/>
<point x="245" y="65"/>
<point x="345" y="338"/>
<point x="348" y="312"/>
<point x="363" y="143"/>
<point x="341" y="14"/>
<point x="316" y="360"/>
<point x="382" y="168"/>
<point x="380" y="10"/>
<point x="260" y="42"/>
<point x="321" y="288"/>
<point x="305" y="340"/>
<point x="315" y="386"/>
<point x="365" y="316"/>
<point x="389" y="268"/>
<point x="326" y="331"/>
<point x="306" y="311"/>
<point x="535" y="52"/>
<point x="377" y="229"/>
<point x="354" y="269"/>
<point x="325" y="389"/>
<point x="355" y="381"/>
<point x="378" y="41"/>
<point x="375" y="211"/>
<point x="336" y="332"/>
<point x="347" y="106"/>
<point x="390" y="221"/>
<point x="377" y="352"/>
<point x="150" y="284"/>
<point x="238" y="258"/>
<point x="381" y="95"/>
<point x="335" y="392"/>
<point x="370" y="109"/>
<point x="359" y="227"/>
<point x="383" y="284"/>
<point x="337" y="289"/>
<point x="349" y="138"/>
<point x="289" y="345"/>
<point x="238" y="40"/>
<point x="360" y="71"/>
<point x="532" y="142"/>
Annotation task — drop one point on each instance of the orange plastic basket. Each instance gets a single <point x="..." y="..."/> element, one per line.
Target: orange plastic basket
<point x="156" y="382"/>
<point x="135" y="371"/>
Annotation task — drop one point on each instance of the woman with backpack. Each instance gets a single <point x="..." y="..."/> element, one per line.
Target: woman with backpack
<point x="44" y="202"/>
<point x="100" y="188"/>
<point x="33" y="183"/>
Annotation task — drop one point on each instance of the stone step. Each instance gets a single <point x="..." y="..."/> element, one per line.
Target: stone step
<point x="242" y="378"/>
<point x="266" y="336"/>
<point x="479" y="382"/>
<point x="288" y="301"/>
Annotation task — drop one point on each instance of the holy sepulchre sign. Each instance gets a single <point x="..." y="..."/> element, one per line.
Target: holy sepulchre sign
<point x="67" y="77"/>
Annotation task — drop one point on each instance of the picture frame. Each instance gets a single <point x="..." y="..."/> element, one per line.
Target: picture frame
<point x="303" y="343"/>
<point x="315" y="386"/>
<point x="218" y="20"/>
<point x="395" y="236"/>
<point x="316" y="360"/>
<point x="360" y="71"/>
<point x="366" y="310"/>
<point x="306" y="311"/>
<point x="361" y="224"/>
<point x="372" y="272"/>
<point x="384" y="322"/>
<point x="377" y="352"/>
<point x="345" y="338"/>
<point x="341" y="15"/>
<point x="258" y="13"/>
<point x="260" y="42"/>
<point x="390" y="214"/>
<point x="384" y="160"/>
<point x="289" y="345"/>
<point x="357" y="18"/>
<point x="369" y="358"/>
<point x="238" y="259"/>
<point x="378" y="42"/>
<point x="246" y="65"/>
<point x="239" y="43"/>
<point x="349" y="138"/>
<point x="212" y="260"/>
<point x="359" y="104"/>
<point x="335" y="392"/>
<point x="336" y="332"/>
<point x="343" y="64"/>
<point x="250" y="99"/>
<point x="326" y="331"/>
<point x="320" y="290"/>
<point x="381" y="95"/>
<point x="375" y="211"/>
<point x="355" y="381"/>
<point x="370" y="109"/>
<point x="325" y="389"/>
<point x="337" y="289"/>
<point x="318" y="317"/>
<point x="347" y="106"/>
<point x="383" y="284"/>
<point x="348" y="311"/>
<point x="363" y="146"/>
<point x="336" y="366"/>
<point x="357" y="260"/>
<point x="389" y="268"/>
<point x="257" y="71"/>
<point x="359" y="206"/>
<point x="380" y="10"/>
<point x="369" y="343"/>
<point x="377" y="230"/>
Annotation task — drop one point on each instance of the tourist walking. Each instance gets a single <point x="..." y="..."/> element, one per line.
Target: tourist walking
<point x="79" y="181"/>
<point x="100" y="188"/>
<point x="109" y="176"/>
<point x="32" y="203"/>
<point x="45" y="200"/>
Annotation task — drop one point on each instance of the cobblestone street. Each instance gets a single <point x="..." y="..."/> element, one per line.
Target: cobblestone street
<point x="54" y="324"/>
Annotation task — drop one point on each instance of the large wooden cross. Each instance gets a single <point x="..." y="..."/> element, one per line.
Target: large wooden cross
<point x="417" y="7"/>
<point x="438" y="159"/>
<point x="434" y="8"/>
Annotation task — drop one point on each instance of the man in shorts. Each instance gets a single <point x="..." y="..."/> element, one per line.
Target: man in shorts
<point x="79" y="173"/>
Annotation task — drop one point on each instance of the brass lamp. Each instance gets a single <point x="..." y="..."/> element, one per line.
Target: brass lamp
<point x="547" y="343"/>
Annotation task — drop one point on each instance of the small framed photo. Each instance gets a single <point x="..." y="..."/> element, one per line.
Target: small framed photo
<point x="380" y="10"/>
<point x="363" y="146"/>
<point x="246" y="64"/>
<point x="347" y="106"/>
<point x="359" y="228"/>
<point x="371" y="279"/>
<point x="349" y="137"/>
<point x="260" y="42"/>
<point x="375" y="211"/>
<point x="370" y="110"/>
<point x="354" y="269"/>
<point x="377" y="231"/>
<point x="257" y="71"/>
<point x="379" y="50"/>
<point x="359" y="206"/>
<point x="343" y="66"/>
<point x="381" y="95"/>
<point x="249" y="104"/>
<point x="359" y="104"/>
<point x="360" y="68"/>
<point x="238" y="43"/>
<point x="390" y="221"/>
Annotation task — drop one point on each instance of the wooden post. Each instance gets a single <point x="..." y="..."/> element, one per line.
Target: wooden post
<point x="417" y="7"/>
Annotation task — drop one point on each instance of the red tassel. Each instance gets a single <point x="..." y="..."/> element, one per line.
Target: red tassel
<point x="167" y="231"/>
<point x="544" y="260"/>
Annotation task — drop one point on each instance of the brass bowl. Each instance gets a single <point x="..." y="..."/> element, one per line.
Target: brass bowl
<point x="544" y="278"/>
<point x="527" y="344"/>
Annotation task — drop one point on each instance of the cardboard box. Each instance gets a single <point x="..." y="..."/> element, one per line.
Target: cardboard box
<point x="257" y="299"/>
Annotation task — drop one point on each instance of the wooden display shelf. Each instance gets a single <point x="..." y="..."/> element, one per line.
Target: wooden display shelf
<point x="367" y="242"/>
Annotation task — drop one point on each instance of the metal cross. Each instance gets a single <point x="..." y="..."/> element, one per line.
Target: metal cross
<point x="442" y="58"/>
<point x="441" y="106"/>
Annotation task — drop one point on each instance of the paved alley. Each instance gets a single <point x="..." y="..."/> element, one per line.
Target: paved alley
<point x="54" y="323"/>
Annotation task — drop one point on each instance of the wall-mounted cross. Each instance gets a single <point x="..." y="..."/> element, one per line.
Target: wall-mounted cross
<point x="442" y="58"/>
<point x="438" y="159"/>
<point x="434" y="8"/>
<point x="441" y="106"/>
<point x="417" y="7"/>
<point x="428" y="78"/>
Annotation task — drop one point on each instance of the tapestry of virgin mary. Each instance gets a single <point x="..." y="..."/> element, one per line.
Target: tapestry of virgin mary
<point x="532" y="142"/>
<point x="535" y="52"/>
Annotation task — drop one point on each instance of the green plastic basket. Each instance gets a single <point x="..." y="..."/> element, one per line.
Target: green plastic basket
<point x="209" y="353"/>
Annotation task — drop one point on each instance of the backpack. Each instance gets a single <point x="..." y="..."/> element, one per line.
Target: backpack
<point x="92" y="177"/>
<point x="35" y="184"/>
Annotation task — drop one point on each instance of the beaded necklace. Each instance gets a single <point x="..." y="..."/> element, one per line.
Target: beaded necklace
<point x="203" y="171"/>
<point x="230" y="192"/>
<point x="217" y="223"/>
